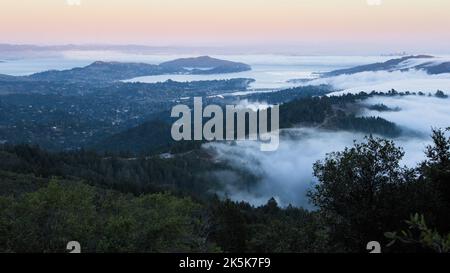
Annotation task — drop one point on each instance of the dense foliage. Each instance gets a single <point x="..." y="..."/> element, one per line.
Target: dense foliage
<point x="362" y="193"/>
<point x="135" y="175"/>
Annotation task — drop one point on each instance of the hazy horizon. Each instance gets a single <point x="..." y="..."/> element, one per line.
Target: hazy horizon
<point x="308" y="27"/>
<point x="300" y="50"/>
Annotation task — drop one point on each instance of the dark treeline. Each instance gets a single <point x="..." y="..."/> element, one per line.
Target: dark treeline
<point x="363" y="194"/>
<point x="333" y="113"/>
<point x="137" y="175"/>
<point x="290" y="94"/>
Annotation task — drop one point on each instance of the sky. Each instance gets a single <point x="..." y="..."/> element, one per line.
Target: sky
<point x="410" y="25"/>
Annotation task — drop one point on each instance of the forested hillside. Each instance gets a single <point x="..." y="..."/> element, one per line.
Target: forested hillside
<point x="362" y="193"/>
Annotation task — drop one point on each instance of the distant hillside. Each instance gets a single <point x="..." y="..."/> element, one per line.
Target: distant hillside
<point x="101" y="71"/>
<point x="145" y="138"/>
<point x="205" y="65"/>
<point x="429" y="64"/>
<point x="114" y="71"/>
<point x="329" y="113"/>
<point x="7" y="78"/>
<point x="436" y="69"/>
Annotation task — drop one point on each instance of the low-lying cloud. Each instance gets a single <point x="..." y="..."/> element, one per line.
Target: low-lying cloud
<point x="383" y="81"/>
<point x="287" y="174"/>
<point x="418" y="113"/>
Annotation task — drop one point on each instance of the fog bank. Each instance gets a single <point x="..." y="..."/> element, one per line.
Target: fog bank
<point x="287" y="174"/>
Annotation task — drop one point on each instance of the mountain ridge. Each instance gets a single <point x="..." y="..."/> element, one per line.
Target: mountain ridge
<point x="115" y="71"/>
<point x="429" y="64"/>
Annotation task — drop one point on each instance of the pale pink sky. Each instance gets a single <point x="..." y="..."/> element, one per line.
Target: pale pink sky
<point x="399" y="23"/>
